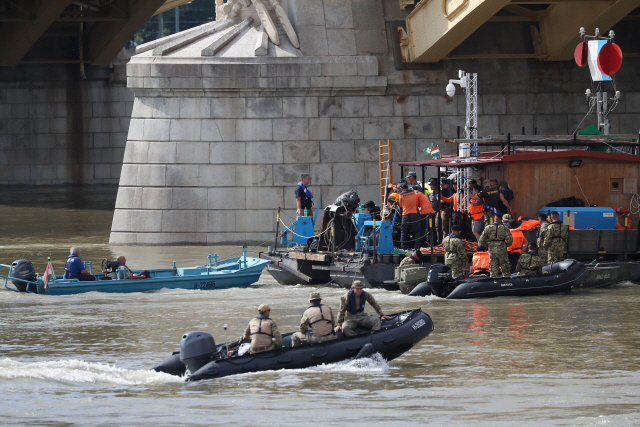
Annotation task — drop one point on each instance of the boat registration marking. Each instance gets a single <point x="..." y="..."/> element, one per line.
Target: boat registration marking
<point x="420" y="323"/>
<point x="507" y="284"/>
<point x="205" y="285"/>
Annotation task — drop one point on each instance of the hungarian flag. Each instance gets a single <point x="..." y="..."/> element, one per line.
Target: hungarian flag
<point x="435" y="152"/>
<point x="48" y="272"/>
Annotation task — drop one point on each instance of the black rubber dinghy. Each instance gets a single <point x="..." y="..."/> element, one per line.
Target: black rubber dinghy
<point x="205" y="360"/>
<point x="563" y="276"/>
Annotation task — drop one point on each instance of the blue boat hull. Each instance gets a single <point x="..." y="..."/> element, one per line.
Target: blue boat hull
<point x="229" y="274"/>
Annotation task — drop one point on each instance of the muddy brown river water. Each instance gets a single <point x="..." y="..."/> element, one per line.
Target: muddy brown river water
<point x="569" y="359"/>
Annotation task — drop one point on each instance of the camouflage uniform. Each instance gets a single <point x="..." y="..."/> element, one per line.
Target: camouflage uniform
<point x="530" y="263"/>
<point x="408" y="260"/>
<point x="542" y="252"/>
<point x="306" y="336"/>
<point x="455" y="256"/>
<point x="259" y="339"/>
<point x="555" y="241"/>
<point x="350" y="321"/>
<point x="497" y="237"/>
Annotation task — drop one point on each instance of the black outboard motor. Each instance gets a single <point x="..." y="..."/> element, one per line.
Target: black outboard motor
<point x="440" y="280"/>
<point x="23" y="269"/>
<point x="110" y="269"/>
<point x="196" y="350"/>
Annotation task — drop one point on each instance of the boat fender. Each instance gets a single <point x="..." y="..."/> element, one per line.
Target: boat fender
<point x="365" y="351"/>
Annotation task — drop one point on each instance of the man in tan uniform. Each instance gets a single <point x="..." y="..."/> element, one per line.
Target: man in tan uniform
<point x="320" y="318"/>
<point x="263" y="332"/>
<point x="352" y="312"/>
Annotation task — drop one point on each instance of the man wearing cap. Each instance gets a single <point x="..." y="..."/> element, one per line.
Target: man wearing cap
<point x="555" y="238"/>
<point x="263" y="332"/>
<point x="414" y="258"/>
<point x="497" y="238"/>
<point x="408" y="202"/>
<point x="413" y="180"/>
<point x="530" y="263"/>
<point x="426" y="212"/>
<point x="320" y="318"/>
<point x="519" y="241"/>
<point x="455" y="256"/>
<point x="352" y="312"/>
<point x="540" y="235"/>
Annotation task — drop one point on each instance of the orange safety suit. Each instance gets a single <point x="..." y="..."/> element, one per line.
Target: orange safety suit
<point x="408" y="202"/>
<point x="424" y="204"/>
<point x="518" y="241"/>
<point x="453" y="199"/>
<point x="480" y="262"/>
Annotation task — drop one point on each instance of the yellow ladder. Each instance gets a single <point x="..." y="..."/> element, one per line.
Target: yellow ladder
<point x="386" y="171"/>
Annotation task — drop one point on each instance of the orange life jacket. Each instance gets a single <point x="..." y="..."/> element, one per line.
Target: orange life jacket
<point x="476" y="212"/>
<point x="480" y="261"/>
<point x="518" y="241"/>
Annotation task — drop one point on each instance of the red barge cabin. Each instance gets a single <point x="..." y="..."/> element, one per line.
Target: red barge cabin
<point x="602" y="170"/>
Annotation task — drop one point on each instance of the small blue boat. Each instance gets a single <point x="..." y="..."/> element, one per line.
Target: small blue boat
<point x="234" y="272"/>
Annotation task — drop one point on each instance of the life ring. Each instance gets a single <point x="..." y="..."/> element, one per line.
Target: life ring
<point x="625" y="214"/>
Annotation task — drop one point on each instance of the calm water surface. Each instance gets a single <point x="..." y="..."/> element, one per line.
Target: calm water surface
<point x="84" y="359"/>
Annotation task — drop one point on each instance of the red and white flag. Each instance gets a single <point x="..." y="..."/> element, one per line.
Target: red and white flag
<point x="48" y="272"/>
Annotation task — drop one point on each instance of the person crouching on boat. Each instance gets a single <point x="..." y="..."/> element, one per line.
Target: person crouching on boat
<point x="263" y="332"/>
<point x="320" y="318"/>
<point x="128" y="274"/>
<point x="414" y="258"/>
<point x="352" y="312"/>
<point x="530" y="263"/>
<point x="74" y="268"/>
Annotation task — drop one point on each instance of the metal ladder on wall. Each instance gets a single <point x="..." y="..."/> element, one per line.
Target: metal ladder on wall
<point x="386" y="171"/>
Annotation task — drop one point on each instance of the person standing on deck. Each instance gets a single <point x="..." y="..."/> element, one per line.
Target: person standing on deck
<point x="542" y="232"/>
<point x="426" y="211"/>
<point x="412" y="180"/>
<point x="408" y="202"/>
<point x="516" y="248"/>
<point x="555" y="239"/>
<point x="442" y="219"/>
<point x="304" y="196"/>
<point x="476" y="211"/>
<point x="497" y="238"/>
<point x="455" y="256"/>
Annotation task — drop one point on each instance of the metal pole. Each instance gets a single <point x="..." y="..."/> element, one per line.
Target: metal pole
<point x="374" y="239"/>
<point x="275" y="246"/>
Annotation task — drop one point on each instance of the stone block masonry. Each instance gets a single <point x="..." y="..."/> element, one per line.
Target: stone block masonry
<point x="58" y="129"/>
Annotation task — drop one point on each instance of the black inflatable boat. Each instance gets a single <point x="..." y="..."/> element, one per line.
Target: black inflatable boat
<point x="562" y="276"/>
<point x="200" y="358"/>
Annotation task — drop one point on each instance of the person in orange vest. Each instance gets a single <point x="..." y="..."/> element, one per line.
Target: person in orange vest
<point x="519" y="242"/>
<point x="425" y="210"/>
<point x="480" y="260"/>
<point x="408" y="202"/>
<point x="476" y="212"/>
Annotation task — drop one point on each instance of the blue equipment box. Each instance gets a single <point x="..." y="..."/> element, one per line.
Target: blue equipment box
<point x="600" y="218"/>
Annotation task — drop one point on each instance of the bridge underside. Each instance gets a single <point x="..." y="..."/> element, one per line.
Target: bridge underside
<point x="435" y="29"/>
<point x="71" y="31"/>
